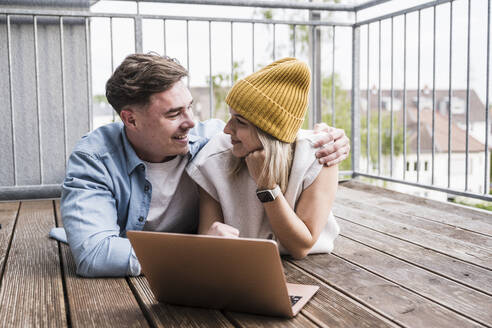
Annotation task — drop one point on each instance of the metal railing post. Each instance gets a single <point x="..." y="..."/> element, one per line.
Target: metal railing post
<point x="315" y="55"/>
<point x="138" y="30"/>
<point x="355" y="117"/>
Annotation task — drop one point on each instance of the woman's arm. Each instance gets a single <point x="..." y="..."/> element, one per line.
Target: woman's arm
<point x="298" y="230"/>
<point x="211" y="218"/>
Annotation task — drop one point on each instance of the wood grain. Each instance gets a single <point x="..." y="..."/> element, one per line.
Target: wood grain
<point x="365" y="216"/>
<point x="355" y="199"/>
<point x="8" y="214"/>
<point x="98" y="302"/>
<point x="444" y="212"/>
<point x="459" y="271"/>
<point x="382" y="296"/>
<point x="31" y="294"/>
<point x="165" y="315"/>
<point x="331" y="308"/>
<point x="466" y="301"/>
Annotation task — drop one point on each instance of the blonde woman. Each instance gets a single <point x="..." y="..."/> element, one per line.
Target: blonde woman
<point x="261" y="178"/>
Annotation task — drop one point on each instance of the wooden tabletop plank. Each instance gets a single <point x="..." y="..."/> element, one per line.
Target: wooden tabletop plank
<point x="331" y="308"/>
<point x="353" y="199"/>
<point x="31" y="294"/>
<point x="463" y="300"/>
<point x="98" y="302"/>
<point x="165" y="315"/>
<point x="454" y="248"/>
<point x="447" y="213"/>
<point x="8" y="214"/>
<point x="459" y="271"/>
<point x="384" y="297"/>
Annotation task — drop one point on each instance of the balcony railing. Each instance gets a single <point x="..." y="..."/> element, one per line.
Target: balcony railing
<point x="46" y="95"/>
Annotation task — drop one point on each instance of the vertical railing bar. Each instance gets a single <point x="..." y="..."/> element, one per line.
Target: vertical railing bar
<point x="486" y="164"/>
<point x="368" y="109"/>
<point x="112" y="55"/>
<point x="418" y="96"/>
<point x="433" y="96"/>
<point x="188" y="52"/>
<point x="88" y="70"/>
<point x="62" y="59"/>
<point x="450" y="91"/>
<point x="355" y="98"/>
<point x="467" y="97"/>
<point x="379" y="103"/>
<point x="293" y="40"/>
<point x="137" y="22"/>
<point x="253" y="47"/>
<point x="211" y="92"/>
<point x="333" y="82"/>
<point x="404" y="95"/>
<point x="273" y="47"/>
<point x="11" y="91"/>
<point x="391" y="104"/>
<point x="232" y="54"/>
<point x="38" y="102"/>
<point x="164" y="36"/>
<point x="314" y="88"/>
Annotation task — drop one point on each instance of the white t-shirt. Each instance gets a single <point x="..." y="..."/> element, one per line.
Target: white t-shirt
<point x="174" y="195"/>
<point x="237" y="195"/>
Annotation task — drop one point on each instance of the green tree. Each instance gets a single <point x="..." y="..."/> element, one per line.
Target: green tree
<point x="221" y="83"/>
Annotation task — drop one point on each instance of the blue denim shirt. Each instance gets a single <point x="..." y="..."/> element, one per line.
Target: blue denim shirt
<point x="105" y="193"/>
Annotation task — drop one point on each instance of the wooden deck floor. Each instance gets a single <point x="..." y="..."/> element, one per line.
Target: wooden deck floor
<point x="400" y="261"/>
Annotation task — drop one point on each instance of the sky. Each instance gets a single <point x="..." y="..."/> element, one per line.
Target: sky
<point x="123" y="42"/>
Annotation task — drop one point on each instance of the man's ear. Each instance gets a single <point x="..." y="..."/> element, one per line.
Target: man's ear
<point x="128" y="118"/>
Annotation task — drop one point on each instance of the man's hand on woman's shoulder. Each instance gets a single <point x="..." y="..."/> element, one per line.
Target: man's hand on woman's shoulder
<point x="335" y="145"/>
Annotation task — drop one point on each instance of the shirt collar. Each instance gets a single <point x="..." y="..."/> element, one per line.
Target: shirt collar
<point x="132" y="160"/>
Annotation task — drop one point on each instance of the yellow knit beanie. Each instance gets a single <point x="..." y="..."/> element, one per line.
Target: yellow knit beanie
<point x="275" y="98"/>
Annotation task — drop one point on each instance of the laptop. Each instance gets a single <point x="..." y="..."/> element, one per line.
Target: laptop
<point x="233" y="274"/>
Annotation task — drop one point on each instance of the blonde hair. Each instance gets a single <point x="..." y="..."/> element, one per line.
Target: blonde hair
<point x="278" y="160"/>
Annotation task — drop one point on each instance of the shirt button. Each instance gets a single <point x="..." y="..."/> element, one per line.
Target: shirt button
<point x="146" y="188"/>
<point x="140" y="219"/>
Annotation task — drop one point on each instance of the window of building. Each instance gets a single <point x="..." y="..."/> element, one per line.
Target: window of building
<point x="408" y="166"/>
<point x="426" y="166"/>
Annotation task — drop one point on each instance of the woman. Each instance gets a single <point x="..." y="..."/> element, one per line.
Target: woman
<point x="263" y="180"/>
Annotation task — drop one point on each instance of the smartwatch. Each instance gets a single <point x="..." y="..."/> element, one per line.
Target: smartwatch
<point x="268" y="195"/>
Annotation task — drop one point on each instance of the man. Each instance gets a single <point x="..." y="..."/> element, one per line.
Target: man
<point x="131" y="175"/>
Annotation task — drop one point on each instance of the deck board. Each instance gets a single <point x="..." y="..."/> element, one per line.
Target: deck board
<point x="451" y="268"/>
<point x="354" y="199"/>
<point x="388" y="299"/>
<point x="331" y="308"/>
<point x="164" y="315"/>
<point x="400" y="261"/>
<point x="475" y="220"/>
<point x="452" y="247"/>
<point x="8" y="214"/>
<point x="98" y="302"/>
<point x="31" y="293"/>
<point x="469" y="302"/>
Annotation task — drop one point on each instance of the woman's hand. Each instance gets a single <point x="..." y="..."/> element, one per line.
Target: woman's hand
<point x="255" y="161"/>
<point x="221" y="229"/>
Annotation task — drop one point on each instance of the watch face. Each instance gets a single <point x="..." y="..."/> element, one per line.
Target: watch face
<point x="265" y="196"/>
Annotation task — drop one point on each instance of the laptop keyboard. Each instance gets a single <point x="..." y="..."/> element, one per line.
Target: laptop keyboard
<point x="294" y="299"/>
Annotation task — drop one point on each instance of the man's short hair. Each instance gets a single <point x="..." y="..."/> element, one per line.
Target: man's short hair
<point x="139" y="76"/>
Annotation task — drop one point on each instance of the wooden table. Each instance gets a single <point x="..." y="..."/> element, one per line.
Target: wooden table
<point x="399" y="261"/>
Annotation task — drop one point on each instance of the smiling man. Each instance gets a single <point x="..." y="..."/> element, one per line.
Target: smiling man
<point x="131" y="175"/>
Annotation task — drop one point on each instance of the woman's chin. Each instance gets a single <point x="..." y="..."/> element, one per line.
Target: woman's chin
<point x="238" y="153"/>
